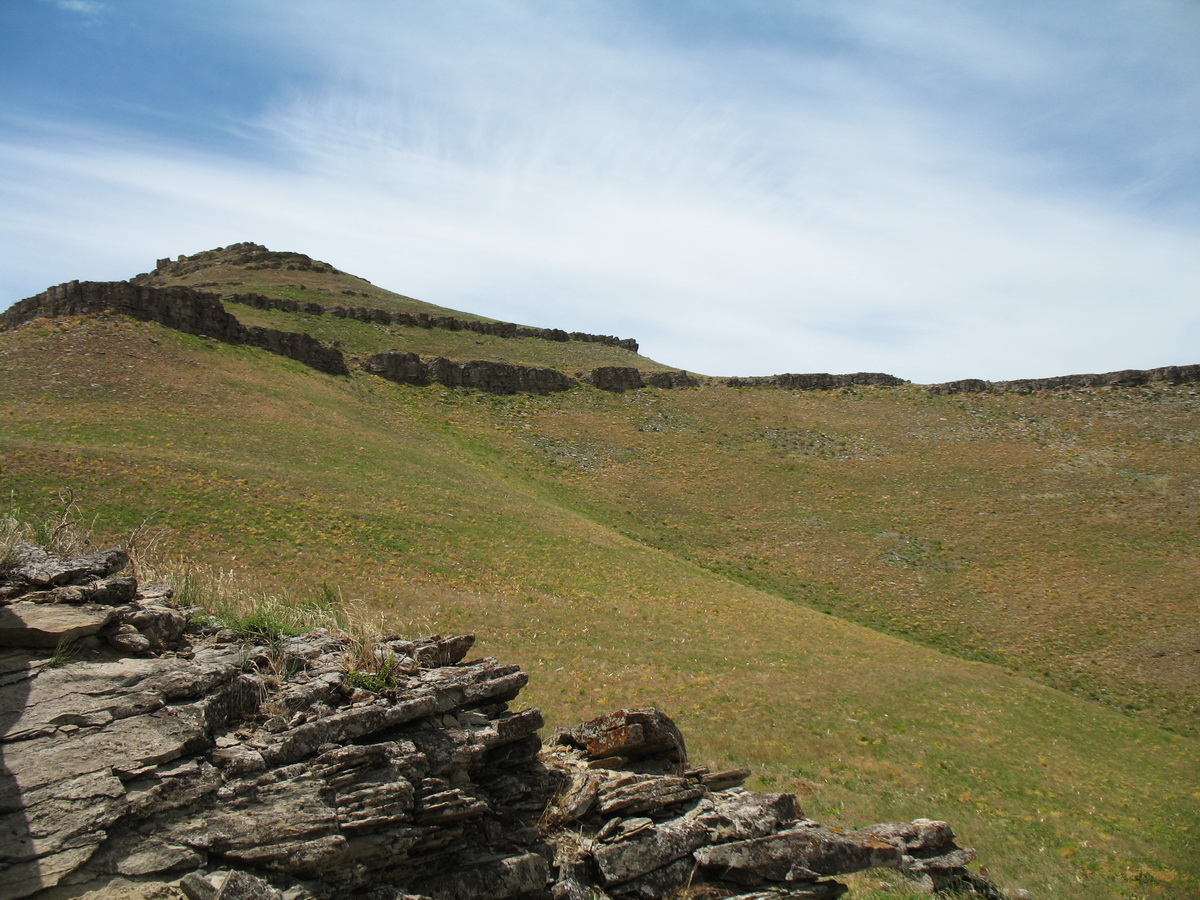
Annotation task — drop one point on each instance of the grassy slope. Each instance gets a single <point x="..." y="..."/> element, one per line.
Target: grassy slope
<point x="1053" y="534"/>
<point x="578" y="535"/>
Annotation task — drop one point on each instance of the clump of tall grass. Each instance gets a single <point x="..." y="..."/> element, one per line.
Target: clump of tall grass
<point x="220" y="598"/>
<point x="227" y="599"/>
<point x="67" y="533"/>
<point x="229" y="602"/>
<point x="12" y="533"/>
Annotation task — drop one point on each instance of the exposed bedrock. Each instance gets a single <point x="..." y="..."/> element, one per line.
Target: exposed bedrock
<point x="484" y="375"/>
<point x="1121" y="378"/>
<point x="183" y="309"/>
<point x="425" y="320"/>
<point x="817" y="381"/>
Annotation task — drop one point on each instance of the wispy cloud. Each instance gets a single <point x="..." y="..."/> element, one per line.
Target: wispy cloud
<point x="882" y="186"/>
<point x="83" y="7"/>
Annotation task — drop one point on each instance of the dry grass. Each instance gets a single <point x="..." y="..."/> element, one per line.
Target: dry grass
<point x="221" y="596"/>
<point x="12" y="533"/>
<point x="66" y="532"/>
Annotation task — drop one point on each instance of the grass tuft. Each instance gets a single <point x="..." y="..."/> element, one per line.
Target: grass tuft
<point x="64" y="653"/>
<point x="224" y="598"/>
<point x="65" y="532"/>
<point x="12" y="533"/>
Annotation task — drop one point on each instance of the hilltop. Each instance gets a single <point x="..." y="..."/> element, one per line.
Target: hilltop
<point x="907" y="602"/>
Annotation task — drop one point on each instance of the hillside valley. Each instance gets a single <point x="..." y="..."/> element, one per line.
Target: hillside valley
<point x="896" y="601"/>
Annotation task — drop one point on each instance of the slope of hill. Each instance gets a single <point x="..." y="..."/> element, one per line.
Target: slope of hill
<point x="684" y="548"/>
<point x="249" y="268"/>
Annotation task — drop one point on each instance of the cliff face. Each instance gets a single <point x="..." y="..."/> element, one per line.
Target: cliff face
<point x="1121" y="378"/>
<point x="484" y="375"/>
<point x="424" y="320"/>
<point x="199" y="313"/>
<point x="818" y="381"/>
<point x="183" y="309"/>
<point x="214" y="766"/>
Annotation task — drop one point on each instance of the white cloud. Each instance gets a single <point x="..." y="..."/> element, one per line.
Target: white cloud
<point x="83" y="7"/>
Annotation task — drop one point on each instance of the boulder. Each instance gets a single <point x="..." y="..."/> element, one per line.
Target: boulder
<point x="628" y="734"/>
<point x="38" y="568"/>
<point x="25" y="624"/>
<point x="803" y="852"/>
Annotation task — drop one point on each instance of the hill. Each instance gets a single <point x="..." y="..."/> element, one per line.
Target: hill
<point x="975" y="606"/>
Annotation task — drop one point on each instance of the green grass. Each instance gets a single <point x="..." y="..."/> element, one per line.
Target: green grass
<point x="681" y="549"/>
<point x="972" y="542"/>
<point x="63" y="653"/>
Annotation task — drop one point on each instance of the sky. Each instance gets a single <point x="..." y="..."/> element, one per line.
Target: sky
<point x="937" y="189"/>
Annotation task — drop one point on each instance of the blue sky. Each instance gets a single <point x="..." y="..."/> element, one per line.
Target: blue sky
<point x="928" y="188"/>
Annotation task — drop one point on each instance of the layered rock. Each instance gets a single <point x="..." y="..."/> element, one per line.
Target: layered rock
<point x="678" y="379"/>
<point x="615" y="378"/>
<point x="817" y="381"/>
<point x="205" y="764"/>
<point x="183" y="309"/>
<point x="197" y="752"/>
<point x="1120" y="378"/>
<point x="645" y="824"/>
<point x="425" y="320"/>
<point x="484" y="375"/>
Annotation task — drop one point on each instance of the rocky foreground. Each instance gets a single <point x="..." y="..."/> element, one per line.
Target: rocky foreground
<point x="142" y="749"/>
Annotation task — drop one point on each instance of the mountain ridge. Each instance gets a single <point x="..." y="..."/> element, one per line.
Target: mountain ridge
<point x="141" y="299"/>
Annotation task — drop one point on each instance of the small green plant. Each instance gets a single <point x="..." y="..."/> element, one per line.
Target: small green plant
<point x="221" y="597"/>
<point x="269" y="622"/>
<point x="64" y="653"/>
<point x="382" y="679"/>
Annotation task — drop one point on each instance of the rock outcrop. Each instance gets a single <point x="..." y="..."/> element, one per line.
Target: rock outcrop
<point x="247" y="255"/>
<point x="425" y="320"/>
<point x="254" y="257"/>
<point x="484" y="375"/>
<point x="1121" y="378"/>
<point x="197" y="762"/>
<point x="510" y="378"/>
<point x="196" y="312"/>
<point x="817" y="381"/>
<point x="149" y="745"/>
<point x="183" y="309"/>
<point x="669" y="380"/>
<point x="615" y="378"/>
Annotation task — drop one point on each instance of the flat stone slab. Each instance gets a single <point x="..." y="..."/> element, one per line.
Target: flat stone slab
<point x="26" y="624"/>
<point x="40" y="568"/>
